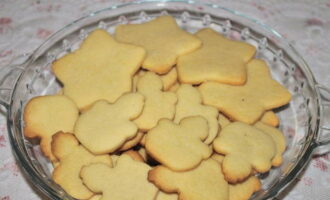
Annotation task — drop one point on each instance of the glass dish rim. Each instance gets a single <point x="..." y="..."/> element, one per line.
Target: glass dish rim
<point x="30" y="172"/>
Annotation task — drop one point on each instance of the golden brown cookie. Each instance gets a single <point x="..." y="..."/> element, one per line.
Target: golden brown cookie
<point x="101" y="68"/>
<point x="219" y="59"/>
<point x="206" y="181"/>
<point x="126" y="181"/>
<point x="46" y="115"/>
<point x="72" y="157"/>
<point x="163" y="40"/>
<point x="247" y="103"/>
<point x="180" y="147"/>
<point x="270" y="118"/>
<point x="105" y="127"/>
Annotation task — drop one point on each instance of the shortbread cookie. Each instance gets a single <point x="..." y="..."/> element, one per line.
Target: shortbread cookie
<point x="72" y="157"/>
<point x="162" y="38"/>
<point x="190" y="104"/>
<point x="158" y="104"/>
<point x="126" y="181"/>
<point x="105" y="127"/>
<point x="134" y="155"/>
<point x="101" y="68"/>
<point x="169" y="79"/>
<point x="132" y="142"/>
<point x="206" y="181"/>
<point x="217" y="157"/>
<point x="46" y="115"/>
<point x="166" y="196"/>
<point x="180" y="147"/>
<point x="142" y="151"/>
<point x="270" y="118"/>
<point x="219" y="59"/>
<point x="245" y="148"/>
<point x="96" y="197"/>
<point x="174" y="87"/>
<point x="223" y="121"/>
<point x="278" y="138"/>
<point x="245" y="189"/>
<point x="136" y="77"/>
<point x="247" y="103"/>
<point x="143" y="140"/>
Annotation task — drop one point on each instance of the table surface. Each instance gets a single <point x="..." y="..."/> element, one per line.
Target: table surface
<point x="24" y="25"/>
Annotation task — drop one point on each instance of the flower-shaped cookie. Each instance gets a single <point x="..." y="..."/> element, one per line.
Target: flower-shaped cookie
<point x="190" y="104"/>
<point x="180" y="147"/>
<point x="206" y="181"/>
<point x="101" y="68"/>
<point x="106" y="127"/>
<point x="46" y="115"/>
<point x="158" y="104"/>
<point x="162" y="38"/>
<point x="247" y="103"/>
<point x="72" y="157"/>
<point x="219" y="59"/>
<point x="126" y="181"/>
<point x="245" y="148"/>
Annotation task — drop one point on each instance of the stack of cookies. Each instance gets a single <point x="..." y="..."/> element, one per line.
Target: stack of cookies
<point x="156" y="113"/>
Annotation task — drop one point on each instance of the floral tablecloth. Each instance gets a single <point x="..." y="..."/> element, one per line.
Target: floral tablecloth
<point x="25" y="24"/>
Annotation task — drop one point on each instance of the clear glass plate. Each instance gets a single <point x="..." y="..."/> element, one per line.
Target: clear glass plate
<point x="302" y="121"/>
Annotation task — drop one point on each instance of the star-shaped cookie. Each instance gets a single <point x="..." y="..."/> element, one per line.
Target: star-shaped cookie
<point x="162" y="38"/>
<point x="247" y="103"/>
<point x="101" y="68"/>
<point x="219" y="59"/>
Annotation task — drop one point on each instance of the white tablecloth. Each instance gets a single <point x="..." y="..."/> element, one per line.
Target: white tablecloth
<point x="25" y="24"/>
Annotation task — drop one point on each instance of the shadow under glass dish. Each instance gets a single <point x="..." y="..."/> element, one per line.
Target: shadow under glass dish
<point x="300" y="120"/>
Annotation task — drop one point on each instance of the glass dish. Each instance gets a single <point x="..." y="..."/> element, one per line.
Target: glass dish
<point x="303" y="121"/>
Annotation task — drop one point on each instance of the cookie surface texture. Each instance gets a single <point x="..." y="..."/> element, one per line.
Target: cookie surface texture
<point x="126" y="181"/>
<point x="46" y="115"/>
<point x="278" y="138"/>
<point x="105" y="127"/>
<point x="158" y="104"/>
<point x="206" y="181"/>
<point x="101" y="68"/>
<point x="245" y="148"/>
<point x="180" y="147"/>
<point x="73" y="157"/>
<point x="190" y="104"/>
<point x="247" y="103"/>
<point x="163" y="40"/>
<point x="219" y="59"/>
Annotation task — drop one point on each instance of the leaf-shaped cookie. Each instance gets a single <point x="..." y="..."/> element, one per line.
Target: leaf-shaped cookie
<point x="101" y="68"/>
<point x="46" y="115"/>
<point x="72" y="157"/>
<point x="206" y="181"/>
<point x="158" y="104"/>
<point x="219" y="59"/>
<point x="162" y="38"/>
<point x="245" y="148"/>
<point x="180" y="147"/>
<point x="126" y="181"/>
<point x="105" y="127"/>
<point x="247" y="103"/>
<point x="190" y="104"/>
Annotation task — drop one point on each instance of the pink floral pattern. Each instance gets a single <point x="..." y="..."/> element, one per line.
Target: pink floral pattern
<point x="24" y="25"/>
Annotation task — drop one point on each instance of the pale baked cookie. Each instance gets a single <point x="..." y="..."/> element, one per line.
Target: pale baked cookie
<point x="217" y="157"/>
<point x="46" y="115"/>
<point x="132" y="142"/>
<point x="166" y="196"/>
<point x="190" y="104"/>
<point x="163" y="40"/>
<point x="245" y="189"/>
<point x="278" y="138"/>
<point x="134" y="155"/>
<point x="180" y="147"/>
<point x="247" y="103"/>
<point x="72" y="157"/>
<point x="270" y="118"/>
<point x="136" y="77"/>
<point x="206" y="181"/>
<point x="126" y="181"/>
<point x="169" y="79"/>
<point x="245" y="148"/>
<point x="158" y="104"/>
<point x="174" y="87"/>
<point x="219" y="59"/>
<point x="106" y="127"/>
<point x="101" y="68"/>
<point x="96" y="197"/>
<point x="223" y="120"/>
